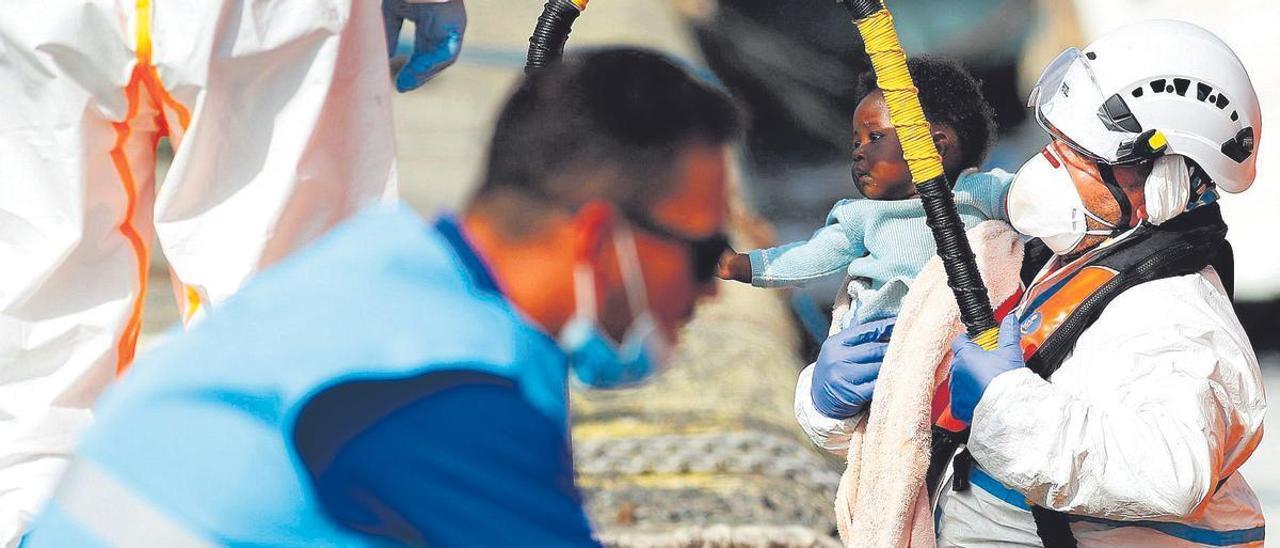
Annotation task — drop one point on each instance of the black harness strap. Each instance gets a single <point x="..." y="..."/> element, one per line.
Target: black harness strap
<point x="1122" y="199"/>
<point x="1184" y="245"/>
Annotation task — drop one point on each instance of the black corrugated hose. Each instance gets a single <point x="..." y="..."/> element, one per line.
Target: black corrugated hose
<point x="957" y="256"/>
<point x="546" y="45"/>
<point x="861" y="9"/>
<point x="975" y="312"/>
<point x="948" y="231"/>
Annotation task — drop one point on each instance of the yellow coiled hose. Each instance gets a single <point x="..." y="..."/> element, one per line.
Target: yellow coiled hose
<point x="890" y="63"/>
<point x="905" y="113"/>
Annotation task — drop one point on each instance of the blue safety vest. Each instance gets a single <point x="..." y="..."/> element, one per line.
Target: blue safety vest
<point x="227" y="434"/>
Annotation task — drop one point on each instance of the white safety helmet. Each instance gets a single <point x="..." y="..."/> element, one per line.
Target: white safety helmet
<point x="1153" y="88"/>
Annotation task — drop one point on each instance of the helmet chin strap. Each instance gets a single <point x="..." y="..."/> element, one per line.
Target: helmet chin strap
<point x="1122" y="199"/>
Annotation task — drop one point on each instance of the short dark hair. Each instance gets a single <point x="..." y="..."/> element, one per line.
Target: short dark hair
<point x="604" y="124"/>
<point x="950" y="95"/>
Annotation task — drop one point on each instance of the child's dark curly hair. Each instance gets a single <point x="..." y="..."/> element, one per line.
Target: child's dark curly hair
<point x="950" y="96"/>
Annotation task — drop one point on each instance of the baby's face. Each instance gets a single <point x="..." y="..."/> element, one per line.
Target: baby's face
<point x="879" y="171"/>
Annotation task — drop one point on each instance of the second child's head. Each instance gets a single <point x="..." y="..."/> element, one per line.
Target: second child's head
<point x="961" y="122"/>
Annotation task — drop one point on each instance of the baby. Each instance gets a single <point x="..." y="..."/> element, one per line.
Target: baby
<point x="882" y="242"/>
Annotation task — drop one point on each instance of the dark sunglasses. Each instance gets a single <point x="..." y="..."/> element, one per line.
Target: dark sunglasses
<point x="704" y="253"/>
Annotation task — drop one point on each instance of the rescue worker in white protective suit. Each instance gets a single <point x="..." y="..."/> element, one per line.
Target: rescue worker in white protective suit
<point x="1124" y="394"/>
<point x="279" y="114"/>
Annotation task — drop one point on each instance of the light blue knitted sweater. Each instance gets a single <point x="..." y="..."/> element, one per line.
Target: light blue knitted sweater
<point x="882" y="244"/>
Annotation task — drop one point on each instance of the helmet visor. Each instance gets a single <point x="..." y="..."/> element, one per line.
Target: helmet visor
<point x="1071" y="107"/>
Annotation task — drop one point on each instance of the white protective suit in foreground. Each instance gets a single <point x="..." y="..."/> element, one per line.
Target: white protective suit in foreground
<point x="279" y="113"/>
<point x="1160" y="400"/>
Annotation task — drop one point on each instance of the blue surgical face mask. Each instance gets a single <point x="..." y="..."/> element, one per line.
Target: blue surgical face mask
<point x="596" y="360"/>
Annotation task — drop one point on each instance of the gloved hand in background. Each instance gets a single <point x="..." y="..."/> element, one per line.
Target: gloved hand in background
<point x="844" y="377"/>
<point x="973" y="368"/>
<point x="438" y="29"/>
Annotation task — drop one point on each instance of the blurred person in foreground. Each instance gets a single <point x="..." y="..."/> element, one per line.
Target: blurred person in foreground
<point x="405" y="380"/>
<point x="1123" y="395"/>
<point x="279" y="115"/>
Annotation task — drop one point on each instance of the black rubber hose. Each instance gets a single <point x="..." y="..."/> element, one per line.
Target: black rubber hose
<point x="948" y="231"/>
<point x="546" y="45"/>
<point x="861" y="9"/>
<point x="957" y="257"/>
<point x="962" y="274"/>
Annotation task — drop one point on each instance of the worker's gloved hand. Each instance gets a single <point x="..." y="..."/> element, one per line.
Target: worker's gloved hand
<point x="844" y="376"/>
<point x="973" y="368"/>
<point x="438" y="31"/>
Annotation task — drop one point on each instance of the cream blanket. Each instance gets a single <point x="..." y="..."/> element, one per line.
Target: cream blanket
<point x="881" y="500"/>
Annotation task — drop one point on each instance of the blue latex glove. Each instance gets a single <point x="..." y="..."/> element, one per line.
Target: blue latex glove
<point x="844" y="376"/>
<point x="437" y="37"/>
<point x="974" y="368"/>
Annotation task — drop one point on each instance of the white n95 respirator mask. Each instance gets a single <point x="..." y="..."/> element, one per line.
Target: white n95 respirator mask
<point x="1043" y="203"/>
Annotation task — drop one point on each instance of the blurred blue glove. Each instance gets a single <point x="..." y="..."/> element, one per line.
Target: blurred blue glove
<point x="844" y="376"/>
<point x="437" y="37"/>
<point x="973" y="368"/>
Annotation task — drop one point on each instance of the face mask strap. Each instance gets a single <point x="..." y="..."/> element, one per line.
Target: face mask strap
<point x="584" y="290"/>
<point x="1112" y="229"/>
<point x="624" y="243"/>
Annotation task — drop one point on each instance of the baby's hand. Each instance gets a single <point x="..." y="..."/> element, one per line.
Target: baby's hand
<point x="735" y="266"/>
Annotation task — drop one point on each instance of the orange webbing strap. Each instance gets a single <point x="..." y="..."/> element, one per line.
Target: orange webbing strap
<point x="120" y="160"/>
<point x="144" y="76"/>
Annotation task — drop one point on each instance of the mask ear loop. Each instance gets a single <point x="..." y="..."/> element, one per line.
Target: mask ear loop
<point x="1126" y="208"/>
<point x="1112" y="229"/>
<point x="584" y="290"/>
<point x="633" y="279"/>
<point x="632" y="274"/>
